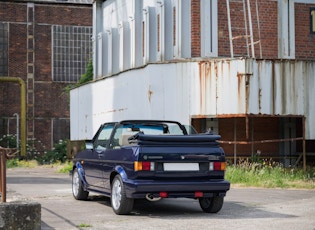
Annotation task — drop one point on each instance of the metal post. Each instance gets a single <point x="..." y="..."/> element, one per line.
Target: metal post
<point x="17" y="131"/>
<point x="304" y="148"/>
<point x="250" y="29"/>
<point x="3" y="176"/>
<point x="235" y="141"/>
<point x="229" y="27"/>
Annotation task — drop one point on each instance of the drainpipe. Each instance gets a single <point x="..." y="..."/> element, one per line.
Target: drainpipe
<point x="23" y="109"/>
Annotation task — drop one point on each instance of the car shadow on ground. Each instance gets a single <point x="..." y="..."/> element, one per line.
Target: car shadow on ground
<point x="189" y="208"/>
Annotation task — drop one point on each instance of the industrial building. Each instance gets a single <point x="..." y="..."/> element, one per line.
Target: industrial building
<point x="47" y="44"/>
<point x="244" y="69"/>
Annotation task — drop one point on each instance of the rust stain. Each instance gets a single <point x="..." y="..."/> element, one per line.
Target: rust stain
<point x="239" y="82"/>
<point x="199" y="116"/>
<point x="259" y="99"/>
<point x="205" y="68"/>
<point x="116" y="110"/>
<point x="201" y="76"/>
<point x="150" y="92"/>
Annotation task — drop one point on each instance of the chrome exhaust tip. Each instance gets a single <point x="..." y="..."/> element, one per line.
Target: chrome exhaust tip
<point x="150" y="197"/>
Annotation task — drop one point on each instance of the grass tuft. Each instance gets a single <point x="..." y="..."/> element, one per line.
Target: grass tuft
<point x="269" y="174"/>
<point x="14" y="163"/>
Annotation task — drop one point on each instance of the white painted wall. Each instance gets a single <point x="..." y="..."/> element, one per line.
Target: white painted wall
<point x="180" y="90"/>
<point x="160" y="91"/>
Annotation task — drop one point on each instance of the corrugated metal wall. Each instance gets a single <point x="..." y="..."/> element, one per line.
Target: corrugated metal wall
<point x="181" y="90"/>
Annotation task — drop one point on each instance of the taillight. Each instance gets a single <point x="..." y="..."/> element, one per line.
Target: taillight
<point x="198" y="194"/>
<point x="223" y="166"/>
<point x="143" y="166"/>
<point x="217" y="166"/>
<point x="163" y="194"/>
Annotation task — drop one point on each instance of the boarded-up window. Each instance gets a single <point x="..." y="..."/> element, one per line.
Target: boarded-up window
<point x="61" y="130"/>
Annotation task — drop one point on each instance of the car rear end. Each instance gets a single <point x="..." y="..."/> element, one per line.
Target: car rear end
<point x="178" y="171"/>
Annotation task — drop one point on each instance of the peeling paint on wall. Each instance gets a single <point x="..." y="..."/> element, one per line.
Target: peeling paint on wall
<point x="207" y="88"/>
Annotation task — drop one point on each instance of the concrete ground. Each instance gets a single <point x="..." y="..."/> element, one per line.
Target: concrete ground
<point x="244" y="208"/>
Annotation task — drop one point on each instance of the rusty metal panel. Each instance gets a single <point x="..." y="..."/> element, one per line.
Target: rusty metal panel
<point x="289" y="88"/>
<point x="221" y="90"/>
<point x="231" y="87"/>
<point x="309" y="104"/>
<point x="257" y="87"/>
<point x="208" y="88"/>
<point x="260" y="98"/>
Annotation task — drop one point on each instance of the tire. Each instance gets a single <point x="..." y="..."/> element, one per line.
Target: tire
<point x="77" y="189"/>
<point x="120" y="203"/>
<point x="211" y="204"/>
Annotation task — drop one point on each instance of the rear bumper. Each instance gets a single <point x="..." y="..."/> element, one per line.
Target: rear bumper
<point x="176" y="189"/>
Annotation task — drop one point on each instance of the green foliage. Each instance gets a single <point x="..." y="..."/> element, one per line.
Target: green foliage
<point x="66" y="167"/>
<point x="269" y="174"/>
<point x="14" y="163"/>
<point x="33" y="148"/>
<point x="8" y="141"/>
<point x="88" y="75"/>
<point x="56" y="155"/>
<point x="84" y="225"/>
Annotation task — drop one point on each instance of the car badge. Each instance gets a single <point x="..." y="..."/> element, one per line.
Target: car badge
<point x="182" y="157"/>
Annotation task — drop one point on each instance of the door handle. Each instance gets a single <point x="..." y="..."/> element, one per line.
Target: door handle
<point x="100" y="155"/>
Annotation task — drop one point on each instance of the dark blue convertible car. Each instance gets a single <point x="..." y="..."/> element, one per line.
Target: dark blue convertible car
<point x="150" y="159"/>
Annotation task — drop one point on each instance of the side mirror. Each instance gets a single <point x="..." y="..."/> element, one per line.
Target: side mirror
<point x="89" y="145"/>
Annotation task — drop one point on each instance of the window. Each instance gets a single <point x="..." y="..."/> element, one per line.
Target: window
<point x="72" y="50"/>
<point x="61" y="129"/>
<point x="3" y="49"/>
<point x="103" y="137"/>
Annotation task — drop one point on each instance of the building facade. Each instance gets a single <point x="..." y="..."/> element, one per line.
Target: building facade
<point x="48" y="45"/>
<point x="243" y="69"/>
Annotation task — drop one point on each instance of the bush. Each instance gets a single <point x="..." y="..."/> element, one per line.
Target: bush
<point x="88" y="75"/>
<point x="13" y="163"/>
<point x="67" y="167"/>
<point x="8" y="141"/>
<point x="35" y="150"/>
<point x="57" y="155"/>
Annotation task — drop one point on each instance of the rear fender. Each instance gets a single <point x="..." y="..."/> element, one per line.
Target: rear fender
<point x="81" y="174"/>
<point x="119" y="170"/>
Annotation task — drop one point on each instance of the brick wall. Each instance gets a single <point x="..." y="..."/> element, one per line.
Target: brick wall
<point x="304" y="40"/>
<point x="43" y="53"/>
<point x="195" y="28"/>
<point x="268" y="24"/>
<point x="268" y="21"/>
<point x="12" y="12"/>
<point x="64" y="15"/>
<point x="51" y="101"/>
